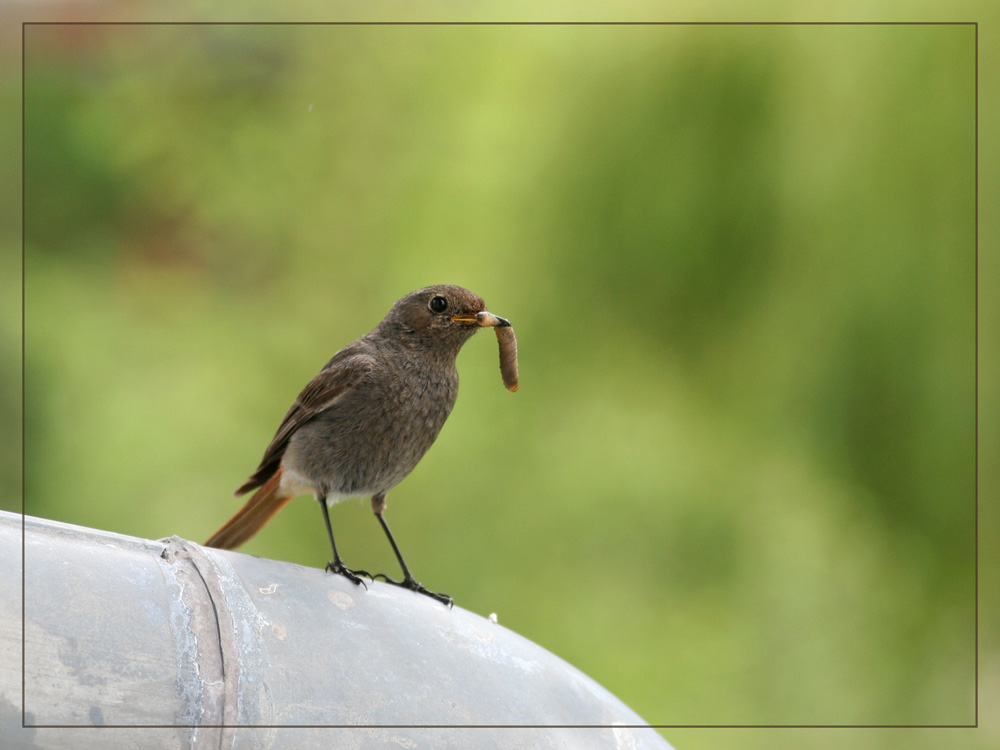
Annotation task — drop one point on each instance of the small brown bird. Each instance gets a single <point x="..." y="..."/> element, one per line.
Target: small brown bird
<point x="362" y="424"/>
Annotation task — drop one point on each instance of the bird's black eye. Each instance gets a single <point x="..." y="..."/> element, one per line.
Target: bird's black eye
<point x="438" y="304"/>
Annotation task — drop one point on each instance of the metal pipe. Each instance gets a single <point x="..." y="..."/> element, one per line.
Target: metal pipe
<point x="133" y="643"/>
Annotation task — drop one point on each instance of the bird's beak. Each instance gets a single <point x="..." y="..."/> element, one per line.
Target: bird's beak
<point x="485" y="319"/>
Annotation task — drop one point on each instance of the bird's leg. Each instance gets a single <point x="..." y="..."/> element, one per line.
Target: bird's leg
<point x="337" y="565"/>
<point x="408" y="582"/>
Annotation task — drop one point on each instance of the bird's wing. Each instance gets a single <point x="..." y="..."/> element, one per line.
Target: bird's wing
<point x="339" y="375"/>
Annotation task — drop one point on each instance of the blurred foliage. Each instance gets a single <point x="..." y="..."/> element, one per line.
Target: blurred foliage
<point x="737" y="483"/>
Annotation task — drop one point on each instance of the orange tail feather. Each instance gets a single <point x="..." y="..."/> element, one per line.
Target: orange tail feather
<point x="249" y="519"/>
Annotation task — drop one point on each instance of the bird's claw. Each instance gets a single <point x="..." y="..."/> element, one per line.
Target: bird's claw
<point x="414" y="585"/>
<point x="338" y="567"/>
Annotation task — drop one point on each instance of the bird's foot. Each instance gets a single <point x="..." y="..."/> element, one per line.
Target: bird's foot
<point x="338" y="567"/>
<point x="411" y="583"/>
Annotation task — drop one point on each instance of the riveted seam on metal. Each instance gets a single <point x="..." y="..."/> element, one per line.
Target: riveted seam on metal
<point x="216" y="658"/>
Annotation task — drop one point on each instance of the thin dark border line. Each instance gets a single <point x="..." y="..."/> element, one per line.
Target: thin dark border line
<point x="501" y="726"/>
<point x="975" y="375"/>
<point x="974" y="725"/>
<point x="501" y="23"/>
<point x="24" y="380"/>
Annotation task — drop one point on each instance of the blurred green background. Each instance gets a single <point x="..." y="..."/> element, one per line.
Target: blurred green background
<point x="736" y="485"/>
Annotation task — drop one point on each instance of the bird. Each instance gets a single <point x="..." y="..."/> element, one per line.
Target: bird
<point x="365" y="421"/>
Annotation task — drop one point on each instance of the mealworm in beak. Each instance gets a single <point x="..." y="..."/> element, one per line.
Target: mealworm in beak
<point x="508" y="356"/>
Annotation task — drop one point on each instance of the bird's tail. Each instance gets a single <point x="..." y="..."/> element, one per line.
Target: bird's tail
<point x="249" y="519"/>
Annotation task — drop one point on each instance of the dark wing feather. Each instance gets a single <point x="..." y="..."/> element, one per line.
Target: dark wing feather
<point x="337" y="377"/>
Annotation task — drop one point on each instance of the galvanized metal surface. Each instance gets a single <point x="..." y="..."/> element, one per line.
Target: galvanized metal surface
<point x="131" y="643"/>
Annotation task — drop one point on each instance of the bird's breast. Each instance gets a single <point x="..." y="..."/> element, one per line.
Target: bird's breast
<point x="373" y="436"/>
